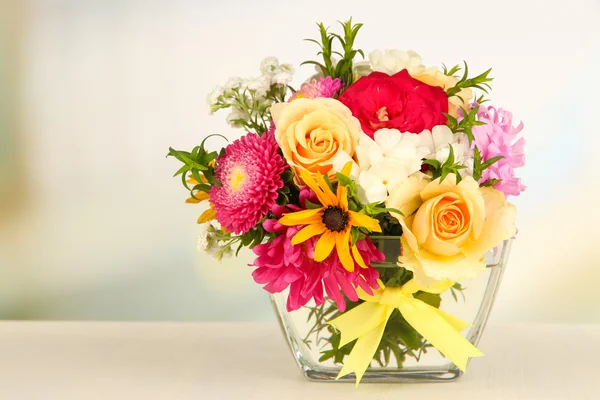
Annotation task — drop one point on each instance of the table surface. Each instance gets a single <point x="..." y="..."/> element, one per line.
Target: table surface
<point x="114" y="360"/>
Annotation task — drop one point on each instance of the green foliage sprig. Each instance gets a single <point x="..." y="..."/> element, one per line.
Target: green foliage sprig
<point x="479" y="82"/>
<point x="479" y="166"/>
<point x="442" y="171"/>
<point x="343" y="68"/>
<point x="466" y="124"/>
<point x="198" y="162"/>
<point x="373" y="209"/>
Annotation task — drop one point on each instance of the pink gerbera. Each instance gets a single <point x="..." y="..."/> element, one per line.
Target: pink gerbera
<point x="281" y="264"/>
<point x="250" y="171"/>
<point x="324" y="87"/>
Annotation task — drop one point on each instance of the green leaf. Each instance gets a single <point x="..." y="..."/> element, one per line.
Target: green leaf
<point x="488" y="163"/>
<point x="315" y="63"/>
<point x="311" y="206"/>
<point x="490" y="183"/>
<point x="203" y="187"/>
<point x="373" y="209"/>
<point x="432" y="299"/>
<point x="182" y="170"/>
<point x="328" y="182"/>
<point x="196" y="175"/>
<point x="343" y="179"/>
<point x="433" y="163"/>
<point x="355" y="234"/>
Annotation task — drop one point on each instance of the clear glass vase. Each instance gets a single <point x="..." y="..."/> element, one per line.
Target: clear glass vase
<point x="473" y="304"/>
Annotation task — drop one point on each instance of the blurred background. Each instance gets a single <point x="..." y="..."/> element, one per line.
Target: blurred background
<point x="93" y="92"/>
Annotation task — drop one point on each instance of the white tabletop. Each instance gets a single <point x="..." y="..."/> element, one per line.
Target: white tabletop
<point x="103" y="360"/>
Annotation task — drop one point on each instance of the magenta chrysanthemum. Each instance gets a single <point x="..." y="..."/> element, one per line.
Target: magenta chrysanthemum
<point x="281" y="264"/>
<point x="324" y="87"/>
<point x="499" y="138"/>
<point x="250" y="171"/>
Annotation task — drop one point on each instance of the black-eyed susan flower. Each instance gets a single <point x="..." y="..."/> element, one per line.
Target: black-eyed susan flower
<point x="333" y="222"/>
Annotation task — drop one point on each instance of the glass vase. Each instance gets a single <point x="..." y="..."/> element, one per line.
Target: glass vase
<point x="473" y="304"/>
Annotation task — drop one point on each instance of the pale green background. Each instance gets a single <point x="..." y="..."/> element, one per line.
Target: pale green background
<point x="97" y="228"/>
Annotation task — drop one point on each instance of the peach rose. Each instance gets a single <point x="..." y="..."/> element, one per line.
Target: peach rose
<point x="311" y="132"/>
<point x="448" y="227"/>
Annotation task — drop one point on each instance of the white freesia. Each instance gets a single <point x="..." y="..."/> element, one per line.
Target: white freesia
<point x="383" y="163"/>
<point x="212" y="243"/>
<point x="259" y="85"/>
<point x="438" y="142"/>
<point x="203" y="241"/>
<point x="360" y="69"/>
<point x="234" y="117"/>
<point x="233" y="83"/>
<point x="213" y="99"/>
<point x="283" y="75"/>
<point x="269" y="65"/>
<point x="393" y="61"/>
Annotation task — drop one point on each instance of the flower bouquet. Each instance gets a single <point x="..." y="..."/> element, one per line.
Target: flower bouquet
<point x="369" y="196"/>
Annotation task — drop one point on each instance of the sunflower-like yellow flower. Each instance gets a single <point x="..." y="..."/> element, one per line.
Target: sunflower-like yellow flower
<point x="333" y="221"/>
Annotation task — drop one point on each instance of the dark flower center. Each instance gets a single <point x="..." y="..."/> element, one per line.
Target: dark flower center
<point x="335" y="219"/>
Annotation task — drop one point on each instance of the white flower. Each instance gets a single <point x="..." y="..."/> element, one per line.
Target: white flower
<point x="258" y="85"/>
<point x="438" y="142"/>
<point x="283" y="75"/>
<point x="383" y="163"/>
<point x="213" y="99"/>
<point x="211" y="243"/>
<point x="269" y="65"/>
<point x="233" y="83"/>
<point x="360" y="69"/>
<point x="393" y="61"/>
<point x="203" y="242"/>
<point x="234" y="116"/>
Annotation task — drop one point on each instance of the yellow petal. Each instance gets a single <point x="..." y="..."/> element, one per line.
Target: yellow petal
<point x="299" y="217"/>
<point x="343" y="250"/>
<point x="200" y="196"/>
<point x="192" y="181"/>
<point x="307" y="232"/>
<point x="331" y="200"/>
<point x="207" y="215"/>
<point x="324" y="246"/>
<point x="323" y="197"/>
<point x="357" y="257"/>
<point x="357" y="219"/>
<point x="347" y="168"/>
<point x="342" y="197"/>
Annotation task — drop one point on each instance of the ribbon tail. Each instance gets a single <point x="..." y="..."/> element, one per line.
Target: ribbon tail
<point x="359" y="321"/>
<point x="364" y="350"/>
<point x="442" y="332"/>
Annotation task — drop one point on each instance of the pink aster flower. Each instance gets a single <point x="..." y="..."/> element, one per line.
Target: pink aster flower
<point x="324" y="87"/>
<point x="281" y="264"/>
<point x="250" y="171"/>
<point x="499" y="138"/>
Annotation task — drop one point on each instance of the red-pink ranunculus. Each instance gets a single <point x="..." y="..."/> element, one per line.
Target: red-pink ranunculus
<point x="398" y="102"/>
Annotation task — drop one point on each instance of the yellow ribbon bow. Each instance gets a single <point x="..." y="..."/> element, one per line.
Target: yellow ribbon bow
<point x="367" y="323"/>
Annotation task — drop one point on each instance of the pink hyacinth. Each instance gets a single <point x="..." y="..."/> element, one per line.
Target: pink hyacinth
<point x="250" y="171"/>
<point x="324" y="87"/>
<point x="281" y="264"/>
<point x="499" y="138"/>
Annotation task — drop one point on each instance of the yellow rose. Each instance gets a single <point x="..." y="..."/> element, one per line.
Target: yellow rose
<point x="311" y="132"/>
<point x="448" y="227"/>
<point x="435" y="77"/>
